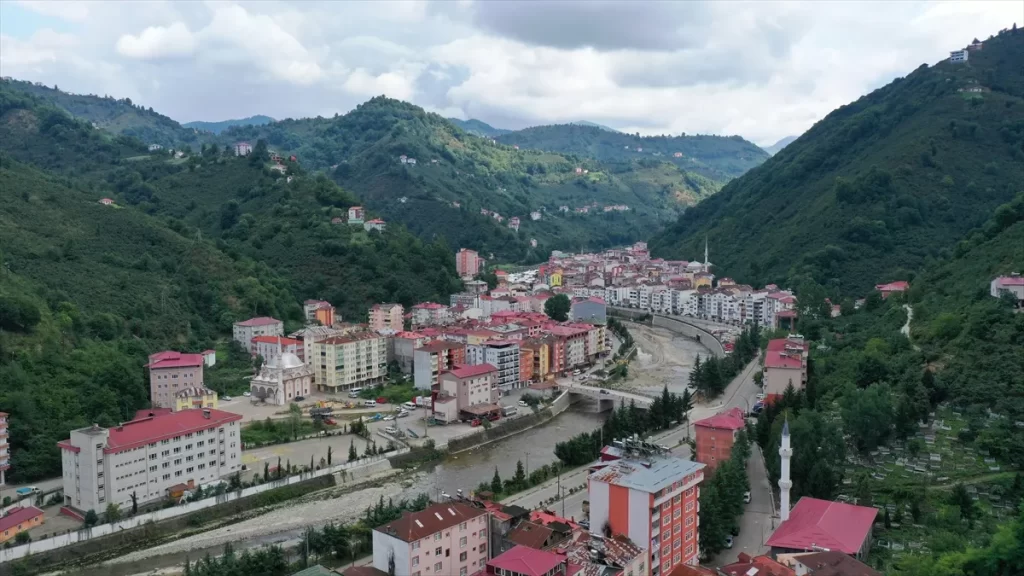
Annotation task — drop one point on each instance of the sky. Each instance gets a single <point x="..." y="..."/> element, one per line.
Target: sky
<point x="763" y="70"/>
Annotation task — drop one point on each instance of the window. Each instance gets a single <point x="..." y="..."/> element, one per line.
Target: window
<point x="167" y="476"/>
<point x="676" y="498"/>
<point x="462" y="527"/>
<point x="178" y="473"/>
<point x="689" y="535"/>
<point x="689" y="506"/>
<point x="166" y="464"/>
<point x="177" y="461"/>
<point x="677" y="528"/>
<point x="463" y="556"/>
<point x="416" y="545"/>
<point x="677" y="544"/>
<point x="437" y="536"/>
<point x="437" y="566"/>
<point x="462" y="571"/>
<point x="462" y="542"/>
<point x="188" y="446"/>
<point x="689" y="549"/>
<point x="437" y="551"/>
<point x="415" y="560"/>
<point x="483" y="547"/>
<point x="152" y="468"/>
<point x="677" y="557"/>
<point x="676" y="513"/>
<point x="689" y="520"/>
<point x="191" y="468"/>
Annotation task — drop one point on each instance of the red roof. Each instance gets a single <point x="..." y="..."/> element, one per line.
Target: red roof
<point x="428" y="306"/>
<point x="274" y="340"/>
<point x="780" y="344"/>
<point x="17" y="515"/>
<point x="731" y="419"/>
<point x="761" y="565"/>
<point x="824" y="524"/>
<point x="150" y="412"/>
<point x="472" y="371"/>
<point x="440" y="346"/>
<point x="898" y="286"/>
<point x="776" y="359"/>
<point x="414" y="526"/>
<point x="260" y="321"/>
<point x="528" y="561"/>
<point x="171" y="359"/>
<point x="161" y="427"/>
<point x="1010" y="280"/>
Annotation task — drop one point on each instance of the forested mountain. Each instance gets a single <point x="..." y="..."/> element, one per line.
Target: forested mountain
<point x="775" y="148"/>
<point x="595" y="125"/>
<point x="719" y="158"/>
<point x="218" y="127"/>
<point x="118" y="116"/>
<point x="879" y="186"/>
<point x="478" y="127"/>
<point x="363" y="150"/>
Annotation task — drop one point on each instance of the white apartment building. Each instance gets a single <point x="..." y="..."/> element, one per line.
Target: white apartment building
<point x="243" y="332"/>
<point x="502" y="354"/>
<point x="147" y="457"/>
<point x="341" y="363"/>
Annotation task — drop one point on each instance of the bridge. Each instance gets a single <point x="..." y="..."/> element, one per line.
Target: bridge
<point x="676" y="324"/>
<point x="608" y="399"/>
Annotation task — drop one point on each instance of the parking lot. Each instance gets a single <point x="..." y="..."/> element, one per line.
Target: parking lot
<point x="258" y="411"/>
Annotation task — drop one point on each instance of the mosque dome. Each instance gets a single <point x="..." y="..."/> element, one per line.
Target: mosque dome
<point x="289" y="360"/>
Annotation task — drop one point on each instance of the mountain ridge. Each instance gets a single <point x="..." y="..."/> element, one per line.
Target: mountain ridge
<point x="216" y="127"/>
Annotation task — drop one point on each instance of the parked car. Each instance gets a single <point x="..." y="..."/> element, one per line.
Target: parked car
<point x="330" y="421"/>
<point x="389" y="418"/>
<point x="391" y="430"/>
<point x="300" y="398"/>
<point x="759" y="397"/>
<point x="603" y="391"/>
<point x="403" y="413"/>
<point x="370" y="403"/>
<point x="746" y="496"/>
<point x="226" y="398"/>
<point x="523" y="403"/>
<point x="246" y="393"/>
<point x="728" y="542"/>
<point x="494" y="416"/>
<point x="382" y="400"/>
<point x="474" y="422"/>
<point x="409" y="406"/>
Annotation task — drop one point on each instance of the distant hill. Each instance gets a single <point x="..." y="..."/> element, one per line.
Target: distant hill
<point x="718" y="158"/>
<point x="218" y="127"/>
<point x="478" y="128"/>
<point x="594" y="125"/>
<point x="774" y="148"/>
<point x="878" y="186"/>
<point x="119" y="116"/>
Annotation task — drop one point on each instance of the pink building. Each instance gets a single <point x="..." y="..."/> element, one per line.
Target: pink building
<point x="171" y="372"/>
<point x="387" y="317"/>
<point x="469" y="386"/>
<point x="356" y="215"/>
<point x="444" y="540"/>
<point x="431" y="314"/>
<point x="887" y="289"/>
<point x="785" y="362"/>
<point x="106" y="201"/>
<point x="5" y="450"/>
<point x="467" y="262"/>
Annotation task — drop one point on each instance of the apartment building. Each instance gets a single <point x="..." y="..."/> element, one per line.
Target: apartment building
<point x="318" y="312"/>
<point x="341" y="363"/>
<point x="443" y="540"/>
<point x="387" y="317"/>
<point x="171" y="372"/>
<point x="148" y="457"/>
<point x="243" y="332"/>
<point x="502" y="354"/>
<point x="785" y="363"/>
<point x="463" y="387"/>
<point x="402" y="349"/>
<point x="433" y="358"/>
<point x="541" y="361"/>
<point x="468" y="263"/>
<point x="574" y="339"/>
<point x="272" y="347"/>
<point x="194" y="397"/>
<point x="5" y="449"/>
<point x="715" y="436"/>
<point x="653" y="502"/>
<point x="431" y="314"/>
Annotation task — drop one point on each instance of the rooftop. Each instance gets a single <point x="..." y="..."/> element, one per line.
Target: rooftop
<point x="172" y="359"/>
<point x="17" y="515"/>
<point x="758" y="565"/>
<point x="825" y="524"/>
<point x="898" y="286"/>
<point x="530" y="535"/>
<point x="260" y="321"/>
<point x="731" y="419"/>
<point x="528" y="561"/>
<point x="163" y="426"/>
<point x="776" y="359"/>
<point x="440" y="346"/>
<point x="471" y="371"/>
<point x="275" y="339"/>
<point x="661" y="473"/>
<point x="834" y="563"/>
<point x="414" y="526"/>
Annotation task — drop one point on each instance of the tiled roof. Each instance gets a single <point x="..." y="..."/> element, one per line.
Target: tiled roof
<point x="1010" y="280"/>
<point x="835" y="563"/>
<point x="440" y="345"/>
<point x="17" y="515"/>
<point x="780" y="344"/>
<point x="171" y="359"/>
<point x="775" y="359"/>
<point x="163" y="426"/>
<point x="527" y="561"/>
<point x="731" y="419"/>
<point x="417" y="525"/>
<point x="898" y="286"/>
<point x="274" y="340"/>
<point x="530" y="535"/>
<point x="471" y="371"/>
<point x="832" y="525"/>
<point x="759" y="565"/>
<point x="261" y="321"/>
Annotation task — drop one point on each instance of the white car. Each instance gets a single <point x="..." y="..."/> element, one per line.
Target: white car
<point x="746" y="496"/>
<point x="523" y="403"/>
<point x="246" y="394"/>
<point x="391" y="430"/>
<point x="388" y="418"/>
<point x="226" y="398"/>
<point x="759" y="397"/>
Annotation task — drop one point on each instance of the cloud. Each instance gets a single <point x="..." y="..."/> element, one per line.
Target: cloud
<point x="45" y="46"/>
<point x="158" y="42"/>
<point x="72" y="10"/>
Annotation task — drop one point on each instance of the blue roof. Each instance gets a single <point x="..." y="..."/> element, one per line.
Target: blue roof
<point x="657" y="474"/>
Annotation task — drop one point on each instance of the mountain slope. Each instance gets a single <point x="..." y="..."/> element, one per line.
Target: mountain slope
<point x="116" y="116"/>
<point x="218" y="127"/>
<point x="478" y="127"/>
<point x="876" y="187"/>
<point x="595" y="125"/>
<point x="775" y="148"/>
<point x="716" y="157"/>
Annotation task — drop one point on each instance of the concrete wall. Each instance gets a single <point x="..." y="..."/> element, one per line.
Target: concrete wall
<point x="675" y="324"/>
<point x="55" y="542"/>
<point x="509" y="427"/>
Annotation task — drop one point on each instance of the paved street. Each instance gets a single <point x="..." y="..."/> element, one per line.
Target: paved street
<point x="757" y="521"/>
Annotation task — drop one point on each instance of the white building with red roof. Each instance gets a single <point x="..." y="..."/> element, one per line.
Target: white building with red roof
<point x="375" y="224"/>
<point x="148" y="456"/>
<point x="815" y="525"/>
<point x="171" y="372"/>
<point x="892" y="287"/>
<point x="431" y="314"/>
<point x="785" y="363"/>
<point x="444" y="539"/>
<point x="271" y="347"/>
<point x="1012" y="284"/>
<point x="243" y="332"/>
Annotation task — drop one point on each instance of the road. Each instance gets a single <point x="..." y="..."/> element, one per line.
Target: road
<point x="758" y="520"/>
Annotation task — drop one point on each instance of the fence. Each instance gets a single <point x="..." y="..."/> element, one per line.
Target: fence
<point x="59" y="541"/>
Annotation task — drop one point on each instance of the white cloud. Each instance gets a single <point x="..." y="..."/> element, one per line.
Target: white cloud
<point x="72" y="10"/>
<point x="158" y="42"/>
<point x="393" y="84"/>
<point x="44" y="46"/>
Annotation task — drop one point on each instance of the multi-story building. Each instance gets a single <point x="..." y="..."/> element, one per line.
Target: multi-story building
<point x="574" y="338"/>
<point x="282" y="379"/>
<point x="433" y="358"/>
<point x="431" y="314"/>
<point x="463" y="387"/>
<point x="356" y="215"/>
<point x="502" y="354"/>
<point x="148" y="457"/>
<point x="541" y="361"/>
<point x="716" y="435"/>
<point x="271" y="347"/>
<point x="243" y="332"/>
<point x="5" y="449"/>
<point x="319" y="312"/>
<point x="171" y="372"/>
<point x="341" y="363"/>
<point x="527" y="561"/>
<point x="443" y="540"/>
<point x="467" y="263"/>
<point x="387" y="317"/>
<point x="243" y="148"/>
<point x="525" y="364"/>
<point x="194" y="397"/>
<point x="592" y="309"/>
<point x="403" y="348"/>
<point x="653" y="502"/>
<point x="785" y="363"/>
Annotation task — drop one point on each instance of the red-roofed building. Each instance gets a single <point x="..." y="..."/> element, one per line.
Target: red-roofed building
<point x="272" y="347"/>
<point x="759" y="565"/>
<point x="716" y="435"/>
<point x="891" y="287"/>
<point x="1012" y="284"/>
<point x="243" y="332"/>
<point x="815" y="524"/>
<point x="525" y="561"/>
<point x="433" y="358"/>
<point x="444" y="539"/>
<point x="19" y="519"/>
<point x="431" y="314"/>
<point x="147" y="456"/>
<point x="106" y="201"/>
<point x="785" y="362"/>
<point x="171" y="372"/>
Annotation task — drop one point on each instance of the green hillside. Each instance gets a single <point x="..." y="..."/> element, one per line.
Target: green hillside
<point x="879" y="186"/>
<point x="719" y="158"/>
<point x="118" y="116"/>
<point x="218" y="127"/>
<point x="478" y="127"/>
<point x="775" y="148"/>
<point x="362" y="149"/>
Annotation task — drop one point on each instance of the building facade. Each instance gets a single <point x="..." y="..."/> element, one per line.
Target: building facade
<point x="196" y="397"/>
<point x="468" y="386"/>
<point x="445" y="539"/>
<point x="502" y="354"/>
<point x="318" y="312"/>
<point x="467" y="263"/>
<point x="431" y="314"/>
<point x="785" y="363"/>
<point x="19" y="519"/>
<point x="171" y="372"/>
<point x="433" y="358"/>
<point x="243" y="332"/>
<point x="715" y="436"/>
<point x="271" y="347"/>
<point x="147" y="457"/>
<point x="1012" y="284"/>
<point x="386" y="317"/>
<point x="282" y="380"/>
<point x="653" y="503"/>
<point x="5" y="448"/>
<point x="341" y="363"/>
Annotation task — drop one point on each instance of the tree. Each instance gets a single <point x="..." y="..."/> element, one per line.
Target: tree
<point x="135" y="503"/>
<point x="867" y="416"/>
<point x="113" y="512"/>
<point x="91" y="518"/>
<point x="962" y="500"/>
<point x="557" y="307"/>
<point x="22" y="537"/>
<point x="496" y="482"/>
<point x="519" y="480"/>
<point x="266" y="471"/>
<point x="352" y="455"/>
<point x="328" y="455"/>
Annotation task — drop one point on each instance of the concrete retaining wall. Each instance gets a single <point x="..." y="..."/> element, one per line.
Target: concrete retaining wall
<point x="675" y="324"/>
<point x="510" y="427"/>
<point x="141" y="520"/>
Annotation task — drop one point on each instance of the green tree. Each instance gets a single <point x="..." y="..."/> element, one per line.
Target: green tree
<point x="329" y="455"/>
<point x="962" y="500"/>
<point x="557" y="307"/>
<point x="868" y="416"/>
<point x="496" y="482"/>
<point x="519" y="479"/>
<point x="91" y="518"/>
<point x="22" y="537"/>
<point x="113" y="513"/>
<point x="352" y="455"/>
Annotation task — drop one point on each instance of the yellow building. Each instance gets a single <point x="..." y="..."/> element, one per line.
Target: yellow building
<point x="195" y="397"/>
<point x="555" y="279"/>
<point x="344" y="362"/>
<point x="541" y="358"/>
<point x="19" y="519"/>
<point x="702" y="280"/>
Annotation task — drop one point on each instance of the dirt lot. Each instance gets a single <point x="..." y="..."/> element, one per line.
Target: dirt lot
<point x="663" y="357"/>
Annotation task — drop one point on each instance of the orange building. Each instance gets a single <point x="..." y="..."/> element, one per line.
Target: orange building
<point x="319" y="311"/>
<point x="19" y="519"/>
<point x="716" y="435"/>
<point x="653" y="502"/>
<point x="525" y="364"/>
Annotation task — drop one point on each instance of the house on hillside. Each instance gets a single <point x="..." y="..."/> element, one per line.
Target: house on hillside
<point x="155" y="147"/>
<point x="243" y="149"/>
<point x="106" y="201"/>
<point x="513" y="223"/>
<point x="1012" y="284"/>
<point x="375" y="224"/>
<point x="533" y="242"/>
<point x="958" y="56"/>
<point x="411" y="161"/>
<point x="892" y="287"/>
<point x="579" y="170"/>
<point x="356" y="214"/>
<point x="677" y="155"/>
<point x="535" y="215"/>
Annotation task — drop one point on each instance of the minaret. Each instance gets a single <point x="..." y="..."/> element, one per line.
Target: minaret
<point x="705" y="253"/>
<point x="785" y="453"/>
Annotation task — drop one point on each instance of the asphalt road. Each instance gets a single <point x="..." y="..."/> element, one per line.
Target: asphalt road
<point x="758" y="520"/>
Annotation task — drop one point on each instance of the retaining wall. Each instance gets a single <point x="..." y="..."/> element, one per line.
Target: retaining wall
<point x="510" y="427"/>
<point x="675" y="324"/>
